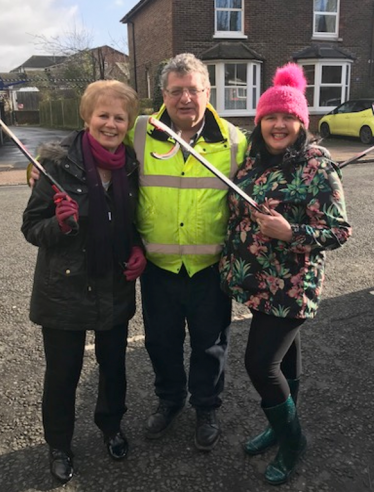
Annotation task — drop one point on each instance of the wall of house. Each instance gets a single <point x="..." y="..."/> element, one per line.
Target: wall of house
<point x="356" y="31"/>
<point x="275" y="30"/>
<point x="152" y="32"/>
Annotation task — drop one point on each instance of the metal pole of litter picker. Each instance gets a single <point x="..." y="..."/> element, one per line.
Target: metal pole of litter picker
<point x="161" y="126"/>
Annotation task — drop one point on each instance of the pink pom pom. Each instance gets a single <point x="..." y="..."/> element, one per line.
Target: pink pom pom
<point x="290" y="75"/>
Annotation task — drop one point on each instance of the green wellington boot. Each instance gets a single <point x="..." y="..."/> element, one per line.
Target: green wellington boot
<point x="264" y="441"/>
<point x="292" y="443"/>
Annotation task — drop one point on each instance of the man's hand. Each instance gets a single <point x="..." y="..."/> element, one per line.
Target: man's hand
<point x="136" y="264"/>
<point x="32" y="175"/>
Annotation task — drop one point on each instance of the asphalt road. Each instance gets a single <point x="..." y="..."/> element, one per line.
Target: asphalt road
<point x="31" y="137"/>
<point x="336" y="401"/>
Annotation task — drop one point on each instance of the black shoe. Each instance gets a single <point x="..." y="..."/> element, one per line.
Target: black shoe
<point x="160" y="421"/>
<point x="207" y="429"/>
<point x="117" y="446"/>
<point x="61" y="465"/>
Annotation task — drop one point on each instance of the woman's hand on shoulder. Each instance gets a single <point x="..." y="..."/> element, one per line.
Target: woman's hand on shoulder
<point x="274" y="225"/>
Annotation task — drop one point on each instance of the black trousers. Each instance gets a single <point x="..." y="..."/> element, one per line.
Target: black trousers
<point x="169" y="300"/>
<point x="64" y="351"/>
<point x="273" y="355"/>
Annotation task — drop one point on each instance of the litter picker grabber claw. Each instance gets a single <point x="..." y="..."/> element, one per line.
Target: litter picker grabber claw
<point x="180" y="142"/>
<point x="55" y="185"/>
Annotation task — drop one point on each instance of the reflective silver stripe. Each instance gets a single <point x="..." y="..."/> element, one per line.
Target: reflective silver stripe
<point x="140" y="134"/>
<point x="182" y="183"/>
<point x="234" y="141"/>
<point x="183" y="249"/>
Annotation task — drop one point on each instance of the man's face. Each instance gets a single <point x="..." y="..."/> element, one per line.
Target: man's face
<point x="186" y="98"/>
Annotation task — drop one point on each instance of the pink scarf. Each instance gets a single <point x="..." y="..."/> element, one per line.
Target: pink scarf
<point x="104" y="158"/>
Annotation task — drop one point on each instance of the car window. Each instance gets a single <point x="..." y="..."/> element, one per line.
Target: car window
<point x="362" y="106"/>
<point x="345" y="108"/>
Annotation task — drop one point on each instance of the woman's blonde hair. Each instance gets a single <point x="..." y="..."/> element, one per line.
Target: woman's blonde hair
<point x="109" y="88"/>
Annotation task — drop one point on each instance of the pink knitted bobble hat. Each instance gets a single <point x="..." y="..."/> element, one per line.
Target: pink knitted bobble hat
<point x="286" y="95"/>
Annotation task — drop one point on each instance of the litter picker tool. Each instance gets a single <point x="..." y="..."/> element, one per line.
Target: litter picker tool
<point x="180" y="142"/>
<point x="55" y="185"/>
<point x="356" y="157"/>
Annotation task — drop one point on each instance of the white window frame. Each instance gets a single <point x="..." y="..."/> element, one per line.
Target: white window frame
<point x="326" y="35"/>
<point x="344" y="84"/>
<point x="251" y="99"/>
<point x="229" y="34"/>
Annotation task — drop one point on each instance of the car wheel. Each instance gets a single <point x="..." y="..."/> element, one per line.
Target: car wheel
<point x="366" y="135"/>
<point x="324" y="130"/>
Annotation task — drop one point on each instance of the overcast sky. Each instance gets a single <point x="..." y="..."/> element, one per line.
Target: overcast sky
<point x="22" y="20"/>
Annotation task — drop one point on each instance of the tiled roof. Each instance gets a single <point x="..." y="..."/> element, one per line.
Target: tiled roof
<point x="321" y="51"/>
<point x="40" y="61"/>
<point x="230" y="51"/>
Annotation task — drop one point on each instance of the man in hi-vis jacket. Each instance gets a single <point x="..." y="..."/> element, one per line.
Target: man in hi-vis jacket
<point x="182" y="218"/>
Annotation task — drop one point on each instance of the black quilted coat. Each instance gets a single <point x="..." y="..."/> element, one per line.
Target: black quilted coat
<point x="64" y="296"/>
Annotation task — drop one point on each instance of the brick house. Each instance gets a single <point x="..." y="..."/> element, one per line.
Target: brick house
<point x="243" y="41"/>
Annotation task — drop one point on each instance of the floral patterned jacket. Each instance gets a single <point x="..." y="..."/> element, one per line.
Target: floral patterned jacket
<point x="276" y="277"/>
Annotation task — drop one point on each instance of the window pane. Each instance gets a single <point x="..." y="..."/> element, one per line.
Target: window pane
<point x="331" y="75"/>
<point x="309" y="72"/>
<point x="325" y="23"/>
<point x="346" y="108"/>
<point x="331" y="5"/>
<point x="236" y="74"/>
<point x="241" y="73"/>
<point x="330" y="23"/>
<point x="326" y="5"/>
<point x="330" y="96"/>
<point x="229" y="74"/>
<point x="213" y="97"/>
<point x="254" y="98"/>
<point x="222" y="4"/>
<point x="222" y="21"/>
<point x="235" y="98"/>
<point x="235" y="21"/>
<point x="228" y="4"/>
<point x="310" y="96"/>
<point x="212" y="74"/>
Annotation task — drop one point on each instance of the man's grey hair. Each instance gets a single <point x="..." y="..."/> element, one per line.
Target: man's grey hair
<point x="184" y="64"/>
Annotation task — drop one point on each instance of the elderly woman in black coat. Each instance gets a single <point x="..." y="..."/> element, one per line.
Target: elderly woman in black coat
<point x="89" y="257"/>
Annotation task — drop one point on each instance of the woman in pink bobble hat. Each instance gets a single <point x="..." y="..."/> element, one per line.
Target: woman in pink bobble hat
<point x="273" y="262"/>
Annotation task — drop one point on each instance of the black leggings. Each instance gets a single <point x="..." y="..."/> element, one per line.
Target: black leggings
<point x="273" y="355"/>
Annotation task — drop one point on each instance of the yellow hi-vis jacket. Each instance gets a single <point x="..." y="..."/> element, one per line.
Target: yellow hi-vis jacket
<point x="182" y="210"/>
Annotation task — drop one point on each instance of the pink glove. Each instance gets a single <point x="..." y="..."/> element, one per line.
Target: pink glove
<point x="136" y="264"/>
<point x="66" y="211"/>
